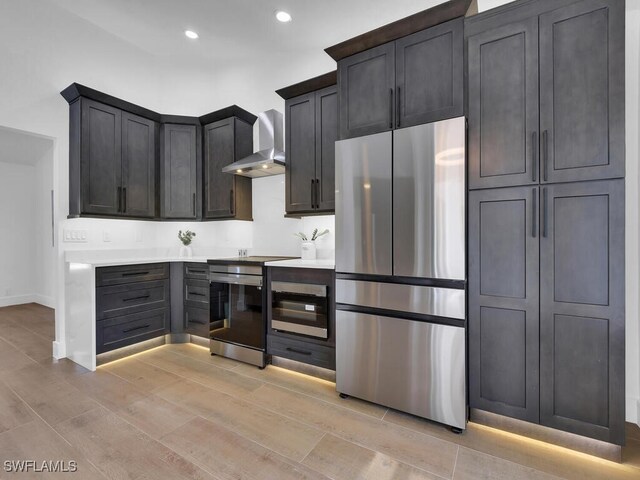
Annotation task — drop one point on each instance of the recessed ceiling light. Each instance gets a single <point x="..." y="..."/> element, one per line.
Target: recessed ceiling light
<point x="191" y="34"/>
<point x="283" y="16"/>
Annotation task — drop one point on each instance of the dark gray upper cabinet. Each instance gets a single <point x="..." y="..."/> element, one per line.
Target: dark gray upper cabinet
<point x="180" y="172"/>
<point x="138" y="166"/>
<point x="326" y="137"/>
<point x="582" y="309"/>
<point x="416" y="79"/>
<point x="429" y="74"/>
<point x="582" y="91"/>
<point x="100" y="138"/>
<point x="311" y="133"/>
<point x="546" y="94"/>
<point x="112" y="162"/>
<point x="226" y="196"/>
<point x="503" y="106"/>
<point x="366" y="84"/>
<point x="503" y="302"/>
<point x="300" y="145"/>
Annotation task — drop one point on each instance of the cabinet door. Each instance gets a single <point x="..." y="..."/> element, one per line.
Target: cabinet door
<point x="101" y="159"/>
<point x="326" y="137"/>
<point x="179" y="171"/>
<point x="429" y="75"/>
<point x="582" y="309"/>
<point x="582" y="91"/>
<point x="366" y="84"/>
<point x="503" y="302"/>
<point x="503" y="106"/>
<point x="138" y="166"/>
<point x="301" y="153"/>
<point x="219" y="145"/>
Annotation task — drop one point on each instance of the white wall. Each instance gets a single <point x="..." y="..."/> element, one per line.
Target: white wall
<point x="17" y="232"/>
<point x="45" y="251"/>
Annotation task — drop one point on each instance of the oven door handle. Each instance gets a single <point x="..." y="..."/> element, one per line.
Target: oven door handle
<point x="234" y="279"/>
<point x="300" y="288"/>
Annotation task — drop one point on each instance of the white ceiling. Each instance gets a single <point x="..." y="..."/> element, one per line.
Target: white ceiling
<point x="236" y="30"/>
<point x="22" y="148"/>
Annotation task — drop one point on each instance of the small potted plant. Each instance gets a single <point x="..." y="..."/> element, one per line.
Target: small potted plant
<point x="309" y="246"/>
<point x="186" y="238"/>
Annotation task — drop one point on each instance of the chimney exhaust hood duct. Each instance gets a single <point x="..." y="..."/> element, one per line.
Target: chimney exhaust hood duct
<point x="269" y="159"/>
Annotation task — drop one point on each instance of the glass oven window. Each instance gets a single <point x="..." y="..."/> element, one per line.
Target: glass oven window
<point x="236" y="314"/>
<point x="300" y="309"/>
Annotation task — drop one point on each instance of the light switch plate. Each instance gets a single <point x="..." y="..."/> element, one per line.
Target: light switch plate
<point x="75" y="236"/>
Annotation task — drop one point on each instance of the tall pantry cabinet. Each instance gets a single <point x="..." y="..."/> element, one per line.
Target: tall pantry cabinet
<point x="546" y="214"/>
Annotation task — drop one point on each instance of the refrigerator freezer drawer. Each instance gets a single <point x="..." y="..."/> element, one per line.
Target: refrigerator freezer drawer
<point x="437" y="301"/>
<point x="415" y="367"/>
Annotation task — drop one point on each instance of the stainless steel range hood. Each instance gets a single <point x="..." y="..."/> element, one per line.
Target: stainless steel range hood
<point x="269" y="159"/>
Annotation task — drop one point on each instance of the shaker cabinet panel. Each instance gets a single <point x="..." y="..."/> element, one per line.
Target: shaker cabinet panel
<point x="582" y="308"/>
<point x="326" y="137"/>
<point x="139" y="166"/>
<point x="429" y="75"/>
<point x="101" y="159"/>
<point x="311" y="133"/>
<point x="301" y="153"/>
<point x="503" y="301"/>
<point x="503" y="106"/>
<point x="179" y="171"/>
<point x="226" y="196"/>
<point x="581" y="94"/>
<point x="366" y="83"/>
<point x="219" y="148"/>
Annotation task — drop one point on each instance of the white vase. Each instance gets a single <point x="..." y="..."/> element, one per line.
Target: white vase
<point x="308" y="251"/>
<point x="186" y="252"/>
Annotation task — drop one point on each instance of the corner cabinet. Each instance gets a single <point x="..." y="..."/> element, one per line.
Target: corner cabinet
<point x="416" y="79"/>
<point x="226" y="196"/>
<point x="310" y="135"/>
<point x="180" y="178"/>
<point x="112" y="162"/>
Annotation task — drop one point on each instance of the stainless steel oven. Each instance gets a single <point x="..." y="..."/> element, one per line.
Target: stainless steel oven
<point x="236" y="313"/>
<point x="300" y="308"/>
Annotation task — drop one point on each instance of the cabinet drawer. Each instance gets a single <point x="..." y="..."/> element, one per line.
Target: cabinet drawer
<point x="197" y="271"/>
<point x="129" y="329"/>
<point x="196" y="321"/>
<point x="106" y="276"/>
<point x="301" y="351"/>
<point x="196" y="293"/>
<point x="125" y="299"/>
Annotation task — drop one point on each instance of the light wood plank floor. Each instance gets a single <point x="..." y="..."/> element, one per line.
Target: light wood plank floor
<point x="175" y="412"/>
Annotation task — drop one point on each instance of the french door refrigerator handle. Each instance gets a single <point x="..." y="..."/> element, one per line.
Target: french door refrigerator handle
<point x="534" y="156"/>
<point x="534" y="212"/>
<point x="391" y="108"/>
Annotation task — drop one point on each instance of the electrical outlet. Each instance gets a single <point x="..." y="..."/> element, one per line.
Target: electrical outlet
<point x="106" y="236"/>
<point x="7" y="292"/>
<point x="138" y="236"/>
<point x="242" y="252"/>
<point x="75" y="236"/>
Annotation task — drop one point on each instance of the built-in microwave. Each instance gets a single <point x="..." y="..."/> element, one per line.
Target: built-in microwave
<point x="300" y="308"/>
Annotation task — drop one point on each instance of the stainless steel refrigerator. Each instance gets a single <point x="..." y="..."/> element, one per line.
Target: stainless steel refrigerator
<point x="401" y="270"/>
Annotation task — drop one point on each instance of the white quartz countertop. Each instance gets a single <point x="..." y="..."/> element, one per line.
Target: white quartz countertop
<point x="328" y="264"/>
<point x="103" y="258"/>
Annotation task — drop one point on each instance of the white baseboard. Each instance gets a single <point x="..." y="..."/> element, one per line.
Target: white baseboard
<point x="59" y="350"/>
<point x="16" y="300"/>
<point x="29" y="298"/>
<point x="632" y="410"/>
<point x="44" y="301"/>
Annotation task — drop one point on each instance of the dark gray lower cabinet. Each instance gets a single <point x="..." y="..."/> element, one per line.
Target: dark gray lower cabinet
<point x="132" y="304"/>
<point x="503" y="301"/>
<point x="582" y="309"/>
<point x="196" y="299"/>
<point x="546" y="305"/>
